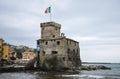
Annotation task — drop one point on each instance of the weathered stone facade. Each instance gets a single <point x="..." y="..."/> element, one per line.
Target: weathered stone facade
<point x="54" y="43"/>
<point x="1" y="47"/>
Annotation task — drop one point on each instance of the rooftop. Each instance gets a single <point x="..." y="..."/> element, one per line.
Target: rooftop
<point x="50" y="24"/>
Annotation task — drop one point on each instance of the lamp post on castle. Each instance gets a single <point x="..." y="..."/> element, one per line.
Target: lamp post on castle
<point x="38" y="56"/>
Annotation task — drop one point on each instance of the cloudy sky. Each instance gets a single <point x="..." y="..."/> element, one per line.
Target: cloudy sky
<point x="94" y="23"/>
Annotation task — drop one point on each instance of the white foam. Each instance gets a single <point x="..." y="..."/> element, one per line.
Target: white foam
<point x="96" y="76"/>
<point x="85" y="76"/>
<point x="81" y="76"/>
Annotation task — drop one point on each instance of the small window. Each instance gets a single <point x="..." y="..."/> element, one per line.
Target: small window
<point x="53" y="36"/>
<point x="58" y="42"/>
<point x="68" y="50"/>
<point x="69" y="59"/>
<point x="73" y="50"/>
<point x="43" y="53"/>
<point x="63" y="58"/>
<point x="54" y="52"/>
<point x="5" y="56"/>
<point x="46" y="43"/>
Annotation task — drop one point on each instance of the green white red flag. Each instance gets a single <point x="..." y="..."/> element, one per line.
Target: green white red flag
<point x="48" y="10"/>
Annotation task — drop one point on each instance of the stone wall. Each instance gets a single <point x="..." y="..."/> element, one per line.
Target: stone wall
<point x="50" y="30"/>
<point x="53" y="45"/>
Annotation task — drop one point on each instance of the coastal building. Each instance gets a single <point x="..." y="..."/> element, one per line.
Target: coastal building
<point x="1" y="47"/>
<point x="63" y="51"/>
<point x="28" y="55"/>
<point x="28" y="58"/>
<point x="12" y="54"/>
<point x="6" y="50"/>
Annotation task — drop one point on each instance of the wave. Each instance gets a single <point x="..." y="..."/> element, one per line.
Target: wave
<point x="85" y="76"/>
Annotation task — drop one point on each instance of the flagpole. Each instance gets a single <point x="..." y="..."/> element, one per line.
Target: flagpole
<point x="50" y="16"/>
<point x="50" y="13"/>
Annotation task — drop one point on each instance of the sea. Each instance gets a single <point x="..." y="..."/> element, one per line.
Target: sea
<point x="114" y="73"/>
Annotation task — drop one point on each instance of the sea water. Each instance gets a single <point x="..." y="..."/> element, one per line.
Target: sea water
<point x="114" y="73"/>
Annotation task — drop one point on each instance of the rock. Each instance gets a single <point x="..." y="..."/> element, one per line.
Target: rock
<point x="103" y="67"/>
<point x="94" y="67"/>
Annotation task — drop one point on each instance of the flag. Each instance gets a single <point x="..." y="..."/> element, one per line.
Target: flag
<point x="48" y="10"/>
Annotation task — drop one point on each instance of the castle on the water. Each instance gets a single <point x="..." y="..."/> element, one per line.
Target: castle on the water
<point x="57" y="48"/>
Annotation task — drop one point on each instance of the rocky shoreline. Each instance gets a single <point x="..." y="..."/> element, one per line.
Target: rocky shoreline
<point x="73" y="70"/>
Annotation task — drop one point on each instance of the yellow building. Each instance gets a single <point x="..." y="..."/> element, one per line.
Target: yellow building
<point x="6" y="50"/>
<point x="8" y="53"/>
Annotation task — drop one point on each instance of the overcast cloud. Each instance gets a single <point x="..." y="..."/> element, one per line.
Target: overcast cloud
<point x="94" y="23"/>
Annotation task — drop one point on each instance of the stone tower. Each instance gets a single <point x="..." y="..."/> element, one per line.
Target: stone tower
<point x="50" y="30"/>
<point x="54" y="44"/>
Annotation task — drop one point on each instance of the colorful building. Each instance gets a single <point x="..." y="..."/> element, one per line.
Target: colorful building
<point x="6" y="50"/>
<point x="28" y="55"/>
